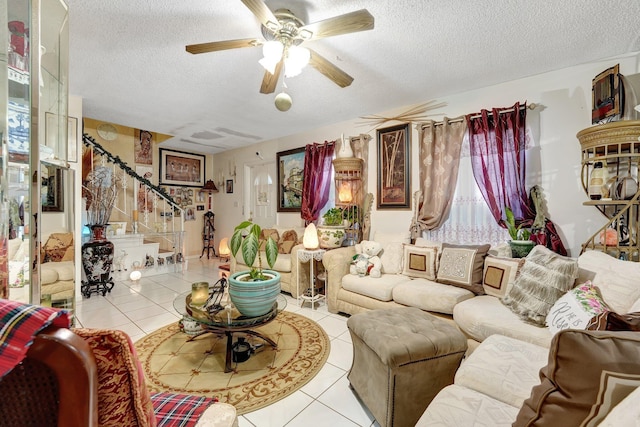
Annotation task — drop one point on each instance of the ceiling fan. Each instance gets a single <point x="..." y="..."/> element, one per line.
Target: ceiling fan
<point x="283" y="33"/>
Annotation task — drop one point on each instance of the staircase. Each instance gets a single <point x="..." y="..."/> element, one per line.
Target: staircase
<point x="146" y="225"/>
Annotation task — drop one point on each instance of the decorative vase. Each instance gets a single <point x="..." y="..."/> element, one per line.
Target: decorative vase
<point x="97" y="259"/>
<point x="254" y="298"/>
<point x="521" y="248"/>
<point x="331" y="236"/>
<point x="345" y="148"/>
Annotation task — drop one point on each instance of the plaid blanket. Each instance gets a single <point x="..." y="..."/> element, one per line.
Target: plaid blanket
<point x="179" y="410"/>
<point x="19" y="324"/>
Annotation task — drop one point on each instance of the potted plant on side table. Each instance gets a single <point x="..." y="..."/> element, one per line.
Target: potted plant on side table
<point x="254" y="292"/>
<point x="519" y="243"/>
<point x="331" y="232"/>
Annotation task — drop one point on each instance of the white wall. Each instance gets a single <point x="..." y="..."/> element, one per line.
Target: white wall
<point x="564" y="97"/>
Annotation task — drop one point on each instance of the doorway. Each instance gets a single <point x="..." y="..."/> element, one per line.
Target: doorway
<point x="260" y="193"/>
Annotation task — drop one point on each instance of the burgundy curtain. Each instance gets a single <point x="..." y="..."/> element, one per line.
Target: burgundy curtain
<point x="497" y="142"/>
<point x="317" y="179"/>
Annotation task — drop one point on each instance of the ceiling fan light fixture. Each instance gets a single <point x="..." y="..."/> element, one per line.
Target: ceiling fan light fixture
<point x="296" y="59"/>
<point x="272" y="51"/>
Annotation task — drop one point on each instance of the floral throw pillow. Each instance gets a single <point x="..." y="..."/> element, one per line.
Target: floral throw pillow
<point x="576" y="308"/>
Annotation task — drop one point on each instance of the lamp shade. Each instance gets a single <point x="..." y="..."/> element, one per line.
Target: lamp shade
<point x="345" y="195"/>
<point x="310" y="238"/>
<point x="272" y="51"/>
<point x="224" y="247"/>
<point x="210" y="187"/>
<point x="296" y="59"/>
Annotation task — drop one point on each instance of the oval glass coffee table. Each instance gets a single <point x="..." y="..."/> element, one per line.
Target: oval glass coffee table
<point x="227" y="321"/>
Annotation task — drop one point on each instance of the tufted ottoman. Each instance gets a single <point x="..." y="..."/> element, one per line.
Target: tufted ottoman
<point x="402" y="358"/>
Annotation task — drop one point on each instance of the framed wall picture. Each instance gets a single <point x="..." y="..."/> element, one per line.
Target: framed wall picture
<point x="181" y="169"/>
<point x="394" y="167"/>
<point x="290" y="178"/>
<point x="229" y="186"/>
<point x="143" y="147"/>
<point x="607" y="96"/>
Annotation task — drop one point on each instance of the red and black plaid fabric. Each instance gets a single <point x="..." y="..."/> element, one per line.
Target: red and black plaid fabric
<point x="19" y="324"/>
<point x="179" y="410"/>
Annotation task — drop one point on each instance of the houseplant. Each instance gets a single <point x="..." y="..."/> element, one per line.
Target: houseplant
<point x="331" y="232"/>
<point x="519" y="243"/>
<point x="254" y="292"/>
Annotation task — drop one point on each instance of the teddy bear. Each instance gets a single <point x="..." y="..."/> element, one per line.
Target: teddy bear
<point x="366" y="259"/>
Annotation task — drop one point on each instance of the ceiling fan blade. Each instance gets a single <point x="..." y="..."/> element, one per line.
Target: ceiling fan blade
<point x="263" y="13"/>
<point x="223" y="45"/>
<point x="334" y="73"/>
<point x="360" y="20"/>
<point x="270" y="81"/>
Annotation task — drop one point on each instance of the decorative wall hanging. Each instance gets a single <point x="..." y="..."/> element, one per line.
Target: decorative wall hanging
<point x="290" y="178"/>
<point x="394" y="167"/>
<point x="229" y="186"/>
<point x="607" y="96"/>
<point x="414" y="114"/>
<point x="180" y="168"/>
<point x="143" y="147"/>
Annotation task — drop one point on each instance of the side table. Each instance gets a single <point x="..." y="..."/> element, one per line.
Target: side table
<point x="309" y="255"/>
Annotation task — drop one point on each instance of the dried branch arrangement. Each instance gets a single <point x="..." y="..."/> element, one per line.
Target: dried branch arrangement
<point x="101" y="190"/>
<point x="414" y="114"/>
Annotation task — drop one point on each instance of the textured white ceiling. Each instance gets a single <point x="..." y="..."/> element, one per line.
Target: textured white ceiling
<point x="128" y="60"/>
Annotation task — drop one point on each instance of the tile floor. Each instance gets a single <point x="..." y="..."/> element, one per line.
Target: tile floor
<point x="143" y="307"/>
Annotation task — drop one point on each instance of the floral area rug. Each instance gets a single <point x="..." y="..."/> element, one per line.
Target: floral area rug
<point x="171" y="363"/>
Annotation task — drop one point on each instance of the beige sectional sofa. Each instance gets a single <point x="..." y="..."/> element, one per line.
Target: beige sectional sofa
<point x="286" y="264"/>
<point x="478" y="316"/>
<point x="584" y="378"/>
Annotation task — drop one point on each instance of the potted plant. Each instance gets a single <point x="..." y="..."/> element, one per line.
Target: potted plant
<point x="254" y="292"/>
<point x="519" y="243"/>
<point x="331" y="232"/>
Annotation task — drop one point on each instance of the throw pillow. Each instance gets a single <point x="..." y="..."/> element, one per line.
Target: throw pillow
<point x="499" y="274"/>
<point x="287" y="241"/>
<point x="544" y="278"/>
<point x="56" y="246"/>
<point x="462" y="265"/>
<point x="612" y="321"/>
<point x="391" y="255"/>
<point x="419" y="262"/>
<point x="587" y="374"/>
<point x="421" y="241"/>
<point x="619" y="289"/>
<point x="576" y="308"/>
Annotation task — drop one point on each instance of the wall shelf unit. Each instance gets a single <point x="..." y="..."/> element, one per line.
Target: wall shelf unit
<point x="609" y="176"/>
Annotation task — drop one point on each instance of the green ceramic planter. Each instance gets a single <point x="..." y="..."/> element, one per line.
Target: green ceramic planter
<point x="254" y="298"/>
<point x="521" y="248"/>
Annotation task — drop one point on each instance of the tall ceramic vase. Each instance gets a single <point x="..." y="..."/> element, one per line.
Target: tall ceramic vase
<point x="97" y="259"/>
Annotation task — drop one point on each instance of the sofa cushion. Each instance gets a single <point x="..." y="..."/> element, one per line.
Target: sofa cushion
<point x="619" y="293"/>
<point x="543" y="279"/>
<point x="12" y="248"/>
<point x="462" y="265"/>
<point x="612" y="321"/>
<point x="587" y="373"/>
<point x="576" y="308"/>
<point x="460" y="406"/>
<point x="484" y="315"/>
<point x="380" y="288"/>
<point x="52" y="271"/>
<point x="287" y="241"/>
<point x="499" y="274"/>
<point x="503" y="368"/>
<point x="430" y="296"/>
<point x="419" y="262"/>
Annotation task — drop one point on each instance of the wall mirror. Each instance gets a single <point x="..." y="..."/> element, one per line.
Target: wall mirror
<point x="51" y="188"/>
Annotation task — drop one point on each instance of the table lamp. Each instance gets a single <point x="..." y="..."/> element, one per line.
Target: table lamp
<point x="310" y="238"/>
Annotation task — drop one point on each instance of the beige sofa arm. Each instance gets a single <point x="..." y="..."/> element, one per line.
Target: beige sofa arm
<point x="336" y="262"/>
<point x="304" y="273"/>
